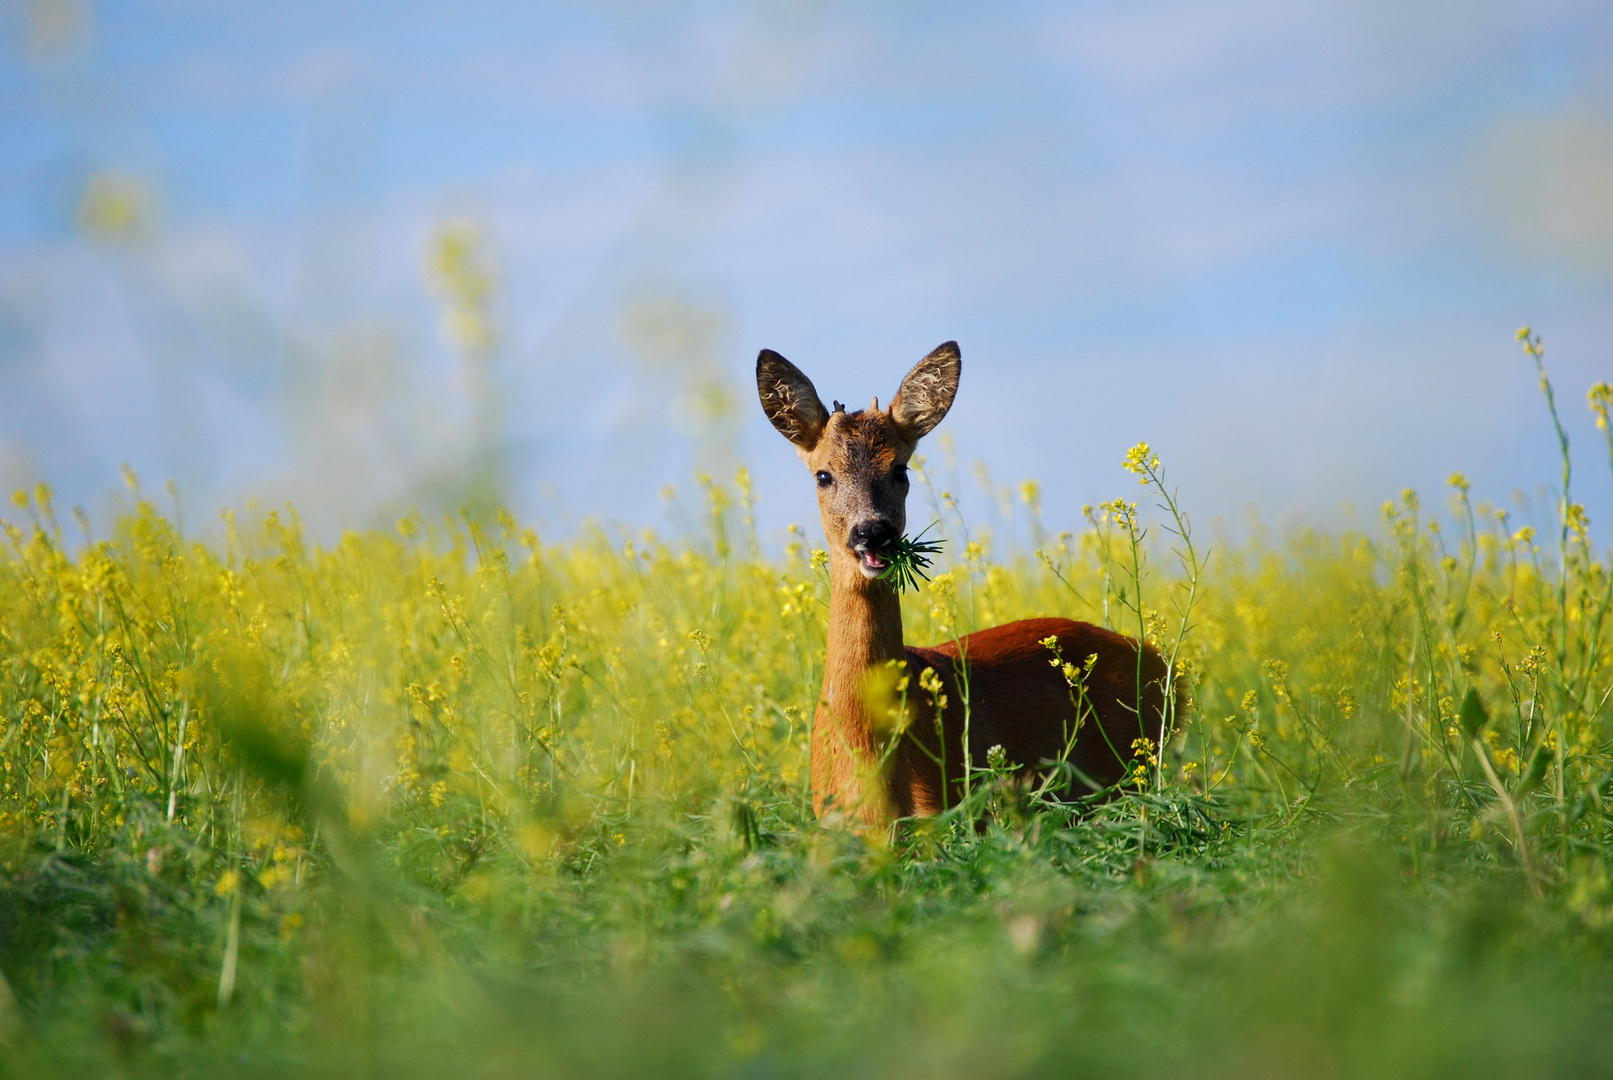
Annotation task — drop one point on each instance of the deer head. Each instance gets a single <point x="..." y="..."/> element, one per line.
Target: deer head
<point x="859" y="459"/>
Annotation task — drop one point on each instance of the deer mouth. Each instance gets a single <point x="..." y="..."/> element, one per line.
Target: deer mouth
<point x="871" y="562"/>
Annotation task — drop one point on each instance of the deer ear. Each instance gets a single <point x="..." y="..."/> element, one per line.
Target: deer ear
<point x="789" y="400"/>
<point x="927" y="392"/>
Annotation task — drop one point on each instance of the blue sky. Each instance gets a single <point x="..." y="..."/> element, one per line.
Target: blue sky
<point x="1286" y="243"/>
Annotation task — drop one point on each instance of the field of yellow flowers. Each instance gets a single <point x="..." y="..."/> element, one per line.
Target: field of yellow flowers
<point x="450" y="800"/>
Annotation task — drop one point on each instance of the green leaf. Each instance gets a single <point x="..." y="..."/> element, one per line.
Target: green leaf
<point x="1534" y="772"/>
<point x="908" y="558"/>
<point x="1474" y="717"/>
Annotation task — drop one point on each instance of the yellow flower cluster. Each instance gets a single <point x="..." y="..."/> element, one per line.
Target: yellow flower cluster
<point x="454" y="680"/>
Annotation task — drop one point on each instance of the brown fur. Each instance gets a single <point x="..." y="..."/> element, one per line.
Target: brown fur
<point x="1014" y="697"/>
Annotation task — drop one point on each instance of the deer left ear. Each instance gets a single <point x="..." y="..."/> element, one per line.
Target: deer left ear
<point x="927" y="392"/>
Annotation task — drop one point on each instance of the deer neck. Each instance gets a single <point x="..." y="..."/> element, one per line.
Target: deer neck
<point x="865" y="629"/>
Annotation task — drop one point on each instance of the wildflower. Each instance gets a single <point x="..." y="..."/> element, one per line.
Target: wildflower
<point x="1025" y="934"/>
<point x="114" y="207"/>
<point x="1578" y="521"/>
<point x="1601" y="399"/>
<point x="1121" y="512"/>
<point x="462" y="276"/>
<point x="1142" y="461"/>
<point x="930" y="682"/>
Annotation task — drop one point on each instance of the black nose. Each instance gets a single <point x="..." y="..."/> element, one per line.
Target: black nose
<point x="873" y="535"/>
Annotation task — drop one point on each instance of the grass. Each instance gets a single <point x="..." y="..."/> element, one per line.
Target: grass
<point x="910" y="559"/>
<point x="447" y="800"/>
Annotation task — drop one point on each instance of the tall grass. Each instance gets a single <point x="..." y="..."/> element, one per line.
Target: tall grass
<point x="450" y="800"/>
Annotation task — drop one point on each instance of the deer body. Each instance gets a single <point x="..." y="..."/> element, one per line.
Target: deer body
<point x="998" y="683"/>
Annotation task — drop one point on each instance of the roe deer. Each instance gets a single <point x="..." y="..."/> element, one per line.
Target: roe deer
<point x="997" y="684"/>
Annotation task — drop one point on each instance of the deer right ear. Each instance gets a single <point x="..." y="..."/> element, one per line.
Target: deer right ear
<point x="790" y="400"/>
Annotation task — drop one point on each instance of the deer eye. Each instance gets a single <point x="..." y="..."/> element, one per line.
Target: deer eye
<point x="899" y="474"/>
<point x="824" y="479"/>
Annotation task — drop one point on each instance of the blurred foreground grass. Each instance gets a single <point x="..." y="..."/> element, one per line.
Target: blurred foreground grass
<point x="452" y="801"/>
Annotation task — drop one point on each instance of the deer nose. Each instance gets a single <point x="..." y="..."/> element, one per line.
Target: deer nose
<point x="873" y="535"/>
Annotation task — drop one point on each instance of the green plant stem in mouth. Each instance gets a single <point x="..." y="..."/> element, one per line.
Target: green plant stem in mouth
<point x="907" y="559"/>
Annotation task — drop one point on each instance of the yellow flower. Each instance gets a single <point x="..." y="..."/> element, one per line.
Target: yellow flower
<point x="1123" y="513"/>
<point x="1578" y="521"/>
<point x="1142" y="461"/>
<point x="1601" y="399"/>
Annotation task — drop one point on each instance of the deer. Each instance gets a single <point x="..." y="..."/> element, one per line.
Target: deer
<point x="1003" y="687"/>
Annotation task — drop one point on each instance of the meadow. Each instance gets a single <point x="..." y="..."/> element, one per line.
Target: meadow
<point x="446" y="799"/>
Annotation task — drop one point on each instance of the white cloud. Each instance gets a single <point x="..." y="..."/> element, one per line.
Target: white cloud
<point x="1549" y="186"/>
<point x="1152" y="46"/>
<point x="1107" y="209"/>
